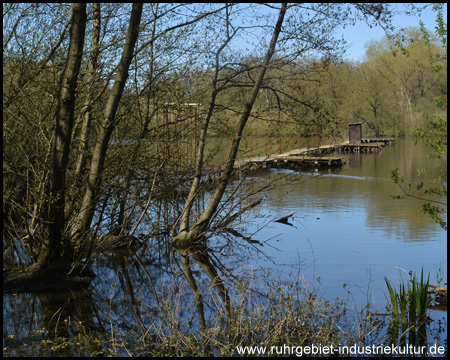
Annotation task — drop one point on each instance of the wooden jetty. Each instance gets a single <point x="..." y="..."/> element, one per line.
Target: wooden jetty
<point x="315" y="157"/>
<point x="310" y="160"/>
<point x="356" y="148"/>
<point x="298" y="157"/>
<point x="366" y="145"/>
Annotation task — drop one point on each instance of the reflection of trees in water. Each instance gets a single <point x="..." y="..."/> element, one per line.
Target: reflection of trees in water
<point x="138" y="301"/>
<point x="150" y="292"/>
<point x="368" y="192"/>
<point x="147" y="295"/>
<point x="70" y="315"/>
<point x="42" y="324"/>
<point x="147" y="292"/>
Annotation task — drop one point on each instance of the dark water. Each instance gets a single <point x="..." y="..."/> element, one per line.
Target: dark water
<point x="348" y="233"/>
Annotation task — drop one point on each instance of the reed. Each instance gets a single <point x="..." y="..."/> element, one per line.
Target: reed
<point x="408" y="309"/>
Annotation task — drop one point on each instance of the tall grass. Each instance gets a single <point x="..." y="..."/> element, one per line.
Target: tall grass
<point x="408" y="309"/>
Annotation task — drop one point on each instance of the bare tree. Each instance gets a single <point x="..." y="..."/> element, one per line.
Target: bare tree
<point x="57" y="249"/>
<point x="86" y="214"/>
<point x="56" y="252"/>
<point x="188" y="241"/>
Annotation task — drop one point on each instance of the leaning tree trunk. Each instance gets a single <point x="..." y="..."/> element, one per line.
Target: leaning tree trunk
<point x="83" y="222"/>
<point x="188" y="240"/>
<point x="187" y="234"/>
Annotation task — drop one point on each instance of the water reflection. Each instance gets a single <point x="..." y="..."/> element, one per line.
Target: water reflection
<point x="347" y="229"/>
<point x="355" y="160"/>
<point x="51" y="319"/>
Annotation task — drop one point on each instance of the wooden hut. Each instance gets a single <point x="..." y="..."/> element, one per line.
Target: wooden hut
<point x="355" y="133"/>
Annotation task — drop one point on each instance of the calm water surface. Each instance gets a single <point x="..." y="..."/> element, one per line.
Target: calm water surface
<point x="347" y="229"/>
<point x="346" y="222"/>
<point x="348" y="233"/>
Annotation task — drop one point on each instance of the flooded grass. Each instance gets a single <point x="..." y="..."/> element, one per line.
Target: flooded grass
<point x="269" y="317"/>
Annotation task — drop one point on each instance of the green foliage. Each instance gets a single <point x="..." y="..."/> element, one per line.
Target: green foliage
<point x="408" y="309"/>
<point x="433" y="133"/>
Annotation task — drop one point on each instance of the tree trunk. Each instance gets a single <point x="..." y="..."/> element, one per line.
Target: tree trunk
<point x="55" y="255"/>
<point x="192" y="234"/>
<point x="108" y="124"/>
<point x="85" y="115"/>
<point x="55" y="249"/>
<point x="186" y="242"/>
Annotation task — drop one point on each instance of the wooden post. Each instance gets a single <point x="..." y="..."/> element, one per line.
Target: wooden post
<point x="231" y="141"/>
<point x="312" y="140"/>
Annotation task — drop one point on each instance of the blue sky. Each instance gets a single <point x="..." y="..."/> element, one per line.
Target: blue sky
<point x="356" y="36"/>
<point x="359" y="34"/>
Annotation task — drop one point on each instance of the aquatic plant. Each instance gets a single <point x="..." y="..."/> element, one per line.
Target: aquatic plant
<point x="408" y="310"/>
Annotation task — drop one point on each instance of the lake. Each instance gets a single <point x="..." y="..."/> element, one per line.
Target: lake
<point x="347" y="235"/>
<point x="347" y="227"/>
